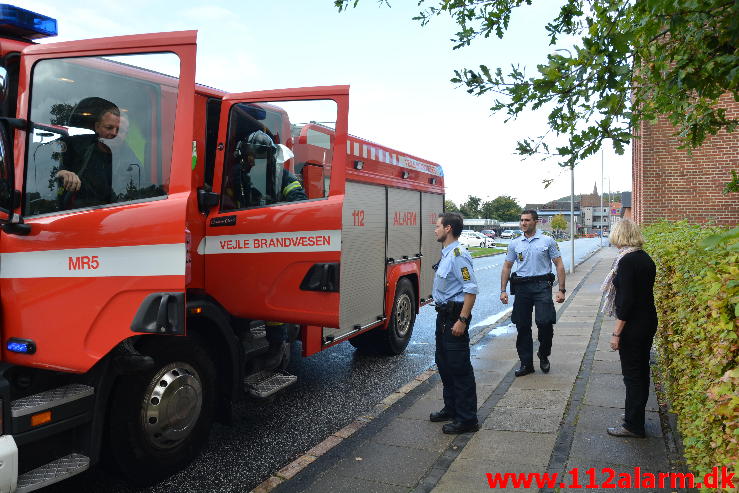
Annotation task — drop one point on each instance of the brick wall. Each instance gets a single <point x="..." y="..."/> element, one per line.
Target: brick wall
<point x="670" y="183"/>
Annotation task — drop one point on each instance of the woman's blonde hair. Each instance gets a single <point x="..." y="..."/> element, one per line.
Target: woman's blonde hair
<point x="626" y="233"/>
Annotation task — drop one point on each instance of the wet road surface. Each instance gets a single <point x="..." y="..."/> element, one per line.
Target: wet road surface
<point x="333" y="388"/>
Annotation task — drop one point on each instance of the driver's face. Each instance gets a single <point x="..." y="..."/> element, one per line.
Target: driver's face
<point x="108" y="125"/>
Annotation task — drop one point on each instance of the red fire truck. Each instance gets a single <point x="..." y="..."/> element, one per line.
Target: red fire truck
<point x="172" y="249"/>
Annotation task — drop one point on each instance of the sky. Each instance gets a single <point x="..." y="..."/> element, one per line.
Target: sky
<point x="399" y="72"/>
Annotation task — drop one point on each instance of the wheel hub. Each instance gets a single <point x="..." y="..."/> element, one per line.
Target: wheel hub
<point x="172" y="405"/>
<point x="403" y="315"/>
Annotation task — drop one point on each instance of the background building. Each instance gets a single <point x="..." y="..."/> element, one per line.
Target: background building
<point x="480" y="224"/>
<point x="550" y="209"/>
<point x="671" y="183"/>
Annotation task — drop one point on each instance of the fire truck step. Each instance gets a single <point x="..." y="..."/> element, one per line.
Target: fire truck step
<point x="265" y="383"/>
<point x="49" y="399"/>
<point x="53" y="472"/>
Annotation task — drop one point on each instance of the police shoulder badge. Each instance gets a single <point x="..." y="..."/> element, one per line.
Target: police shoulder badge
<point x="457" y="252"/>
<point x="465" y="274"/>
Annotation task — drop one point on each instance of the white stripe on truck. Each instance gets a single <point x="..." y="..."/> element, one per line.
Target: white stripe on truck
<point x="138" y="260"/>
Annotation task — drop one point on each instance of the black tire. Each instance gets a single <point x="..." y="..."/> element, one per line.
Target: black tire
<point x="160" y="419"/>
<point x="366" y="341"/>
<point x="395" y="338"/>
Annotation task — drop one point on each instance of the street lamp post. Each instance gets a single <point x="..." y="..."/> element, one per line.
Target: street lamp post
<point x="601" y="197"/>
<point x="572" y="219"/>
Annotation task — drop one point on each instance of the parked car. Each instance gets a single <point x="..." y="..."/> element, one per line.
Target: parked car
<point x="507" y="234"/>
<point x="468" y="240"/>
<point x="473" y="238"/>
<point x="484" y="240"/>
<point x="489" y="233"/>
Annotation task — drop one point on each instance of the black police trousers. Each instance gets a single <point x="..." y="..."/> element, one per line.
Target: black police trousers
<point x="529" y="296"/>
<point x="455" y="369"/>
<point x="633" y="350"/>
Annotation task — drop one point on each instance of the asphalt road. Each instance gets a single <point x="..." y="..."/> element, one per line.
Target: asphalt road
<point x="333" y="388"/>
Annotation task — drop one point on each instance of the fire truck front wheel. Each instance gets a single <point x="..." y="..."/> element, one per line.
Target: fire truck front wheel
<point x="160" y="419"/>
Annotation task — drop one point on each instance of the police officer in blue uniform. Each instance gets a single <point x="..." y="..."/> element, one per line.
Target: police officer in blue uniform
<point x="454" y="293"/>
<point x="532" y="285"/>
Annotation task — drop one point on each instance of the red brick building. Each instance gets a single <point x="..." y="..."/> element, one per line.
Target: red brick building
<point x="671" y="183"/>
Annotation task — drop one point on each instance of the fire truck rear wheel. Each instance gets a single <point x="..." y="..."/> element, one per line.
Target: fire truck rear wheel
<point x="395" y="339"/>
<point x="160" y="419"/>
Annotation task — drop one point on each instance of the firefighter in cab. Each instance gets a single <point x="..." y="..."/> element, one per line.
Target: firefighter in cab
<point x="262" y="179"/>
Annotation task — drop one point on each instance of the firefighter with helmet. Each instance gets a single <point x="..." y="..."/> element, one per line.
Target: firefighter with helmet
<point x="282" y="186"/>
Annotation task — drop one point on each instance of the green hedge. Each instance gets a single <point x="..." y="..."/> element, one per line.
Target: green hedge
<point x="697" y="297"/>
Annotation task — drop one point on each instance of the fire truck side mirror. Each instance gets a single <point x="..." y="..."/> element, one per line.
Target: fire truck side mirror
<point x="206" y="200"/>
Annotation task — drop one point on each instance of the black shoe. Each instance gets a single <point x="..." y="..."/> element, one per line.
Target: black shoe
<point x="620" y="431"/>
<point x="544" y="363"/>
<point x="128" y="360"/>
<point x="524" y="370"/>
<point x="442" y="415"/>
<point x="455" y="427"/>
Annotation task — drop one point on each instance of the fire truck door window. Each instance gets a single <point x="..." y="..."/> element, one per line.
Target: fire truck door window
<point x="108" y="131"/>
<point x="277" y="152"/>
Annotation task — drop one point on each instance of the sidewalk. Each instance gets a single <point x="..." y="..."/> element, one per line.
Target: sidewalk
<point x="540" y="423"/>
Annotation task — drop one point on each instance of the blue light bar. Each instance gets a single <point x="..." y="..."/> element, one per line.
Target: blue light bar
<point x="15" y="21"/>
<point x="24" y="346"/>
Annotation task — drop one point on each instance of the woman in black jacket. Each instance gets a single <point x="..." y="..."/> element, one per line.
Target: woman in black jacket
<point x="629" y="290"/>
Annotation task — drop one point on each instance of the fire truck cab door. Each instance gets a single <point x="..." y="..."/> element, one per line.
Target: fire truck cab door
<point x="105" y="170"/>
<point x="273" y="245"/>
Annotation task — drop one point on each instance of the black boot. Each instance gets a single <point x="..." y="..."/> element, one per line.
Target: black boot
<point x="276" y="356"/>
<point x="128" y="360"/>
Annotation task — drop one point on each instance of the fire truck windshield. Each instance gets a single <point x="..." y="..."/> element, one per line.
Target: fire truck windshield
<point x="116" y="127"/>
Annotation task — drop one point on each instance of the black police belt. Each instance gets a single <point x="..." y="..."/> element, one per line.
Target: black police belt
<point x="450" y="308"/>
<point x="516" y="279"/>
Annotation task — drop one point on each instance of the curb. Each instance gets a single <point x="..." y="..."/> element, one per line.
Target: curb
<point x="294" y="467"/>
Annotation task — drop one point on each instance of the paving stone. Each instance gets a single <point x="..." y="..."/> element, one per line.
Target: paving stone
<point x="608" y="390"/>
<point x="515" y="447"/>
<point x="605" y="390"/>
<point x="350" y="429"/>
<point x="420" y="434"/>
<point x="331" y="483"/>
<point x="503" y="350"/>
<point x="606" y="355"/>
<point x="324" y="446"/>
<point x="607" y="367"/>
<point x="551" y="381"/>
<point x="492" y="365"/>
<point x="636" y="451"/>
<point x="470" y="475"/>
<point x="483" y="392"/>
<point x="529" y="420"/>
<point x="422" y="408"/>
<point x="576" y="325"/>
<point x="295" y="467"/>
<point x="597" y="419"/>
<point x="536" y="399"/>
<point x="403" y="466"/>
<point x="268" y="485"/>
<point x="578" y="333"/>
